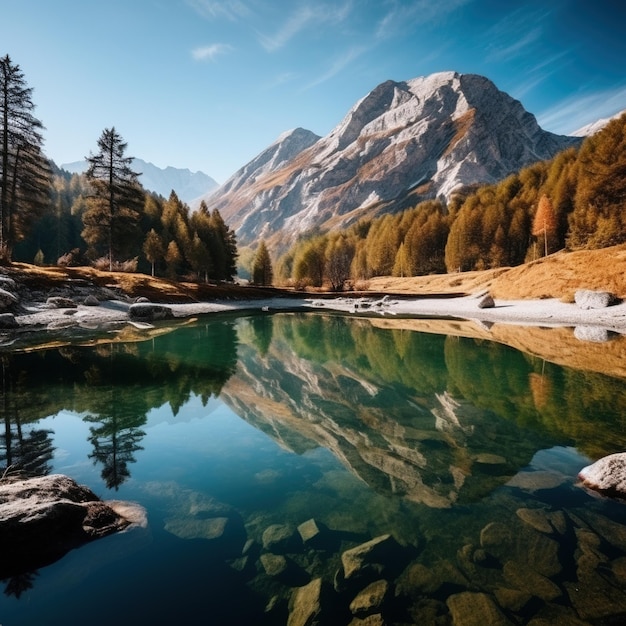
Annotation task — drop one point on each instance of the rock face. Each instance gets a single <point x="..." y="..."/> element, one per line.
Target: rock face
<point x="402" y="143"/>
<point x="43" y="518"/>
<point x="607" y="475"/>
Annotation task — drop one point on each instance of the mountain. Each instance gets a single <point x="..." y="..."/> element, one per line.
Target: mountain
<point x="187" y="185"/>
<point x="597" y="126"/>
<point x="402" y="143"/>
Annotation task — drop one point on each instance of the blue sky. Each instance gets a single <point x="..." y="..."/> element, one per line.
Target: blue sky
<point x="208" y="84"/>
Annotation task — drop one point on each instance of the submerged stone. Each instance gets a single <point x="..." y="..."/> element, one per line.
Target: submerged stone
<point x="475" y="609"/>
<point x="371" y="599"/>
<point x="306" y="604"/>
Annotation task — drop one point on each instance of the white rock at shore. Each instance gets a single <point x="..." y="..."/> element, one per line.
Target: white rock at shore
<point x="607" y="475"/>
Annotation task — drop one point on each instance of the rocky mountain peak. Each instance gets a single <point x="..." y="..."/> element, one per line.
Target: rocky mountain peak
<point x="402" y="143"/>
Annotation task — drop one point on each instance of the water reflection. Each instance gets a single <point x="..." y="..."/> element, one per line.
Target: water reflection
<point x="464" y="450"/>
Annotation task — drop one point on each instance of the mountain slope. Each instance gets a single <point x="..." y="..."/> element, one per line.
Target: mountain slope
<point x="402" y="143"/>
<point x="187" y="185"/>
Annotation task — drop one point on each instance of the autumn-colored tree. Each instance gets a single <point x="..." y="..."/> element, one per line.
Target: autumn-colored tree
<point x="173" y="259"/>
<point x="545" y="224"/>
<point x="153" y="248"/>
<point x="339" y="254"/>
<point x="262" y="272"/>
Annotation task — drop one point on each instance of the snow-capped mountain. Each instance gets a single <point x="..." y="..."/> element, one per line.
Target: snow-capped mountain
<point x="188" y="185"/>
<point x="597" y="126"/>
<point x="402" y="143"/>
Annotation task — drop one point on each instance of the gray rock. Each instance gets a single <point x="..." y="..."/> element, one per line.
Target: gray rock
<point x="148" y="312"/>
<point x="212" y="529"/>
<point x="8" y="321"/>
<point x="7" y="283"/>
<point x="43" y="518"/>
<point x="370" y="600"/>
<point x="60" y="302"/>
<point x="588" y="299"/>
<point x="141" y="299"/>
<point x="607" y="475"/>
<point x="7" y="299"/>
<point x="596" y="334"/>
<point x="91" y="300"/>
<point x="486" y="302"/>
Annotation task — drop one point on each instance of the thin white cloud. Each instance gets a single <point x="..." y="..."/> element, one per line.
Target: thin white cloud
<point x="575" y="112"/>
<point x="539" y="73"/>
<point x="513" y="49"/>
<point x="211" y="52"/>
<point x="304" y="17"/>
<point x="338" y="65"/>
<point x="402" y="16"/>
<point x="279" y="80"/>
<point x="215" y="9"/>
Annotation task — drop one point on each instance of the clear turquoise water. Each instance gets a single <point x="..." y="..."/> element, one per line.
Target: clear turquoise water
<point x="280" y="419"/>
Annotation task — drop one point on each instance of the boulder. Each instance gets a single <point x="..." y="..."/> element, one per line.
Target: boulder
<point x="148" y="312"/>
<point x="486" y="302"/>
<point x="7" y="299"/>
<point x="7" y="321"/>
<point x="60" y="302"/>
<point x="279" y="538"/>
<point x="91" y="300"/>
<point x="371" y="599"/>
<point x="607" y="475"/>
<point x="370" y="559"/>
<point x="475" y="609"/>
<point x="588" y="299"/>
<point x="43" y="518"/>
<point x="306" y="605"/>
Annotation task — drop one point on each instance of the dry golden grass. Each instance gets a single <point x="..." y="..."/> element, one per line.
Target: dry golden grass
<point x="556" y="276"/>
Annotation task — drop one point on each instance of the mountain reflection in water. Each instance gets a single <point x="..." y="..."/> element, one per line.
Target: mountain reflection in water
<point x="464" y="450"/>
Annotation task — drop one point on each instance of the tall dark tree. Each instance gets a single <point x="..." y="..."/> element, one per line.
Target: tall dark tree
<point x="24" y="171"/>
<point x="111" y="221"/>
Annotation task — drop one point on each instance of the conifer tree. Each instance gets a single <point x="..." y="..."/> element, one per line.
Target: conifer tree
<point x="24" y="171"/>
<point x="153" y="248"/>
<point x="545" y="223"/>
<point x="111" y="221"/>
<point x="262" y="272"/>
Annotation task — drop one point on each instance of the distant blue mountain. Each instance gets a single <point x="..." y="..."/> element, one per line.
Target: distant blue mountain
<point x="188" y="185"/>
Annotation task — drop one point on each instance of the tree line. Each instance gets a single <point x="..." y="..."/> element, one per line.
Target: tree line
<point x="575" y="200"/>
<point x="103" y="217"/>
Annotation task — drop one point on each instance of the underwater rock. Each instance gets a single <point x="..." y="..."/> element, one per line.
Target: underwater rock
<point x="370" y="558"/>
<point x="537" y="518"/>
<point x="306" y="604"/>
<point x="279" y="538"/>
<point x="475" y="609"/>
<point x="527" y="579"/>
<point x="273" y="564"/>
<point x="309" y="531"/>
<point x="607" y="475"/>
<point x="371" y="599"/>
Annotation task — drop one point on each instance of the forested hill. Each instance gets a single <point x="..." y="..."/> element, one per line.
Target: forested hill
<point x="576" y="200"/>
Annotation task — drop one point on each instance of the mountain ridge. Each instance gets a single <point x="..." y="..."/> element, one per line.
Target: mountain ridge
<point x="401" y="143"/>
<point x="188" y="185"/>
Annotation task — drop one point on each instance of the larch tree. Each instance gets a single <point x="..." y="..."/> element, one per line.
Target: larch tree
<point x="153" y="248"/>
<point x="545" y="222"/>
<point x="111" y="221"/>
<point x="25" y="176"/>
<point x="262" y="272"/>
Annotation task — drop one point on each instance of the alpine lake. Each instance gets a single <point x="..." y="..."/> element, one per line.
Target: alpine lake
<point x="321" y="469"/>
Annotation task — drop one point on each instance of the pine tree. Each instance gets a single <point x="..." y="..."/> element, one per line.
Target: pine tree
<point x="262" y="272"/>
<point x="24" y="171"/>
<point x="111" y="221"/>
